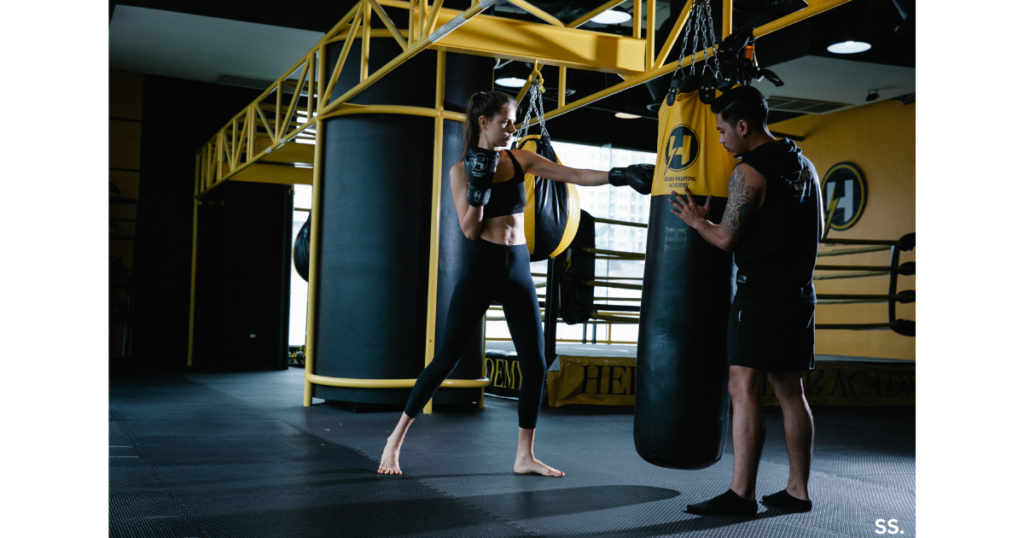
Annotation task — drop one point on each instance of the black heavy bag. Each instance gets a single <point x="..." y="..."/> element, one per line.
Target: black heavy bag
<point x="301" y="251"/>
<point x="575" y="267"/>
<point x="552" y="213"/>
<point x="682" y="405"/>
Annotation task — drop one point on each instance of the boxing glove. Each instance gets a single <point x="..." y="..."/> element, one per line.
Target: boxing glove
<point x="480" y="167"/>
<point x="638" y="176"/>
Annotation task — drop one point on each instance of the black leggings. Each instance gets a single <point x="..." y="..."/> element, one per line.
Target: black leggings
<point x="499" y="273"/>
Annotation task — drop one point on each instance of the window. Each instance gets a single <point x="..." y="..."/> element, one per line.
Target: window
<point x="303" y="199"/>
<point x="606" y="201"/>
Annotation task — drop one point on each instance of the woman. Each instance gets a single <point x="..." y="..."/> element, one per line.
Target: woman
<point x="490" y="198"/>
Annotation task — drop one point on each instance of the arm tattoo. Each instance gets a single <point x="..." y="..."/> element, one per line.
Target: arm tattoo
<point x="740" y="207"/>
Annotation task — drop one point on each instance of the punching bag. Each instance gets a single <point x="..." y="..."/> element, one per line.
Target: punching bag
<point x="682" y="402"/>
<point x="552" y="213"/>
<point x="300" y="253"/>
<point x="574" y="267"/>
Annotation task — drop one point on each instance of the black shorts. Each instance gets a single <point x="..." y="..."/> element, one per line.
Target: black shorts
<point x="773" y="336"/>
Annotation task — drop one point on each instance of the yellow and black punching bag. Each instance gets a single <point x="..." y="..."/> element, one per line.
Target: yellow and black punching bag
<point x="682" y="405"/>
<point x="552" y="213"/>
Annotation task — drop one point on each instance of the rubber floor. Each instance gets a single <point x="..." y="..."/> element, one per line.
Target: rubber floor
<point x="237" y="455"/>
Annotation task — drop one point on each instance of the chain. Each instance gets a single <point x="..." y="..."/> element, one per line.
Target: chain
<point x="701" y="24"/>
<point x="536" y="107"/>
<point x="711" y="38"/>
<point x="697" y="19"/>
<point x="705" y="28"/>
<point x="682" y="47"/>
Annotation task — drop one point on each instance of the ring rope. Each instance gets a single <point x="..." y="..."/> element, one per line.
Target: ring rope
<point x="845" y="252"/>
<point x="849" y="275"/>
<point x="613" y="285"/>
<point x="598" y="220"/>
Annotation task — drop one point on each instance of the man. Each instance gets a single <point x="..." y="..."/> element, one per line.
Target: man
<point x="772" y="222"/>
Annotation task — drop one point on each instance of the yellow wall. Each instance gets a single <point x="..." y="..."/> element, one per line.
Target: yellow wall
<point x="879" y="139"/>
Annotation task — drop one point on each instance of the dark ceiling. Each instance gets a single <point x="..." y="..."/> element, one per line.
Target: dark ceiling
<point x="874" y="21"/>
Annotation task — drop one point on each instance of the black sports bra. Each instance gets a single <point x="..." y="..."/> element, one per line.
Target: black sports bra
<point x="507" y="197"/>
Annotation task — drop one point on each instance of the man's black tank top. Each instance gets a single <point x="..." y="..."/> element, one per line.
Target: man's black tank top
<point x="777" y="253"/>
<point x="507" y="197"/>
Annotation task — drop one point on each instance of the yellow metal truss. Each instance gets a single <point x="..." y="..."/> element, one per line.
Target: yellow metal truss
<point x="255" y="143"/>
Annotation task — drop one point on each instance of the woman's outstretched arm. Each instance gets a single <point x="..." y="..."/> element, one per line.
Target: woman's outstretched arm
<point x="537" y="165"/>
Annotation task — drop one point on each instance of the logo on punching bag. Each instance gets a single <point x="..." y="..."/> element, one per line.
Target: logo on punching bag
<point x="682" y="148"/>
<point x="845" y="194"/>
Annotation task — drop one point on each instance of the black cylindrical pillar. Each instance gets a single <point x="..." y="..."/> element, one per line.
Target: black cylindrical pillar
<point x="374" y="237"/>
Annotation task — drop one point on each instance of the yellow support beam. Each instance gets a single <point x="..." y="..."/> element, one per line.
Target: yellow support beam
<point x="605" y="7"/>
<point x="650" y="34"/>
<point x="457" y="21"/>
<point x="783" y="22"/>
<point x="391" y="383"/>
<point x="421" y="19"/>
<point x="537" y="12"/>
<point x="435" y="218"/>
<point x="562" y="72"/>
<point x="413" y="26"/>
<point x="314" y="256"/>
<point x="797" y="16"/>
<point x="292" y="152"/>
<point x="529" y="82"/>
<point x="551" y="45"/>
<point x="673" y="36"/>
<point x="364" y="66"/>
<point x="637" y="5"/>
<point x="726" y="18"/>
<point x="338" y="65"/>
<point x="389" y="24"/>
<point x="435" y="10"/>
<point x="579" y="49"/>
<point x="274" y="173"/>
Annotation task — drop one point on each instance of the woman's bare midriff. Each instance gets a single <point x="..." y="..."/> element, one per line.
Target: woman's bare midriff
<point x="506" y="230"/>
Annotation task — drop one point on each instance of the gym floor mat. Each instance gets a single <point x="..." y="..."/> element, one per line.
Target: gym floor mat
<point x="236" y="455"/>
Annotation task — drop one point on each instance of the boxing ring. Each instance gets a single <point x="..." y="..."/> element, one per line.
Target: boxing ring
<point x="861" y="380"/>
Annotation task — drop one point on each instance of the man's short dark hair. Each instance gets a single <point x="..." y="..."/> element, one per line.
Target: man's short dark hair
<point x="742" y="103"/>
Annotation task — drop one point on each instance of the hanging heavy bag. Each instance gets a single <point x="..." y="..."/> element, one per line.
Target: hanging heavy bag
<point x="682" y="405"/>
<point x="301" y="251"/>
<point x="574" y="268"/>
<point x="552" y="212"/>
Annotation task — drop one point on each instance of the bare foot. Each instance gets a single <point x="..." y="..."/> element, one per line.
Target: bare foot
<point x="389" y="460"/>
<point x="534" y="466"/>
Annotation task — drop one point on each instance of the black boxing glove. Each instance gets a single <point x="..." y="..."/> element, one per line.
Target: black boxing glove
<point x="638" y="176"/>
<point x="480" y="167"/>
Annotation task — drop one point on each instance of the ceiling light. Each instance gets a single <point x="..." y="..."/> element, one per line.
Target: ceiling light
<point x="872" y="95"/>
<point x="513" y="75"/>
<point x="612" y="16"/>
<point x="626" y="115"/>
<point x="510" y="82"/>
<point x="848" y="47"/>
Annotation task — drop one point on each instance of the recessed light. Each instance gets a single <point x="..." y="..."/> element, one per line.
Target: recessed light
<point x="511" y="82"/>
<point x="612" y="16"/>
<point x="626" y="115"/>
<point x="848" y="47"/>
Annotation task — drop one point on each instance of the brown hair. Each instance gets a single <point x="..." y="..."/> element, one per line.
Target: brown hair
<point x="488" y="105"/>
